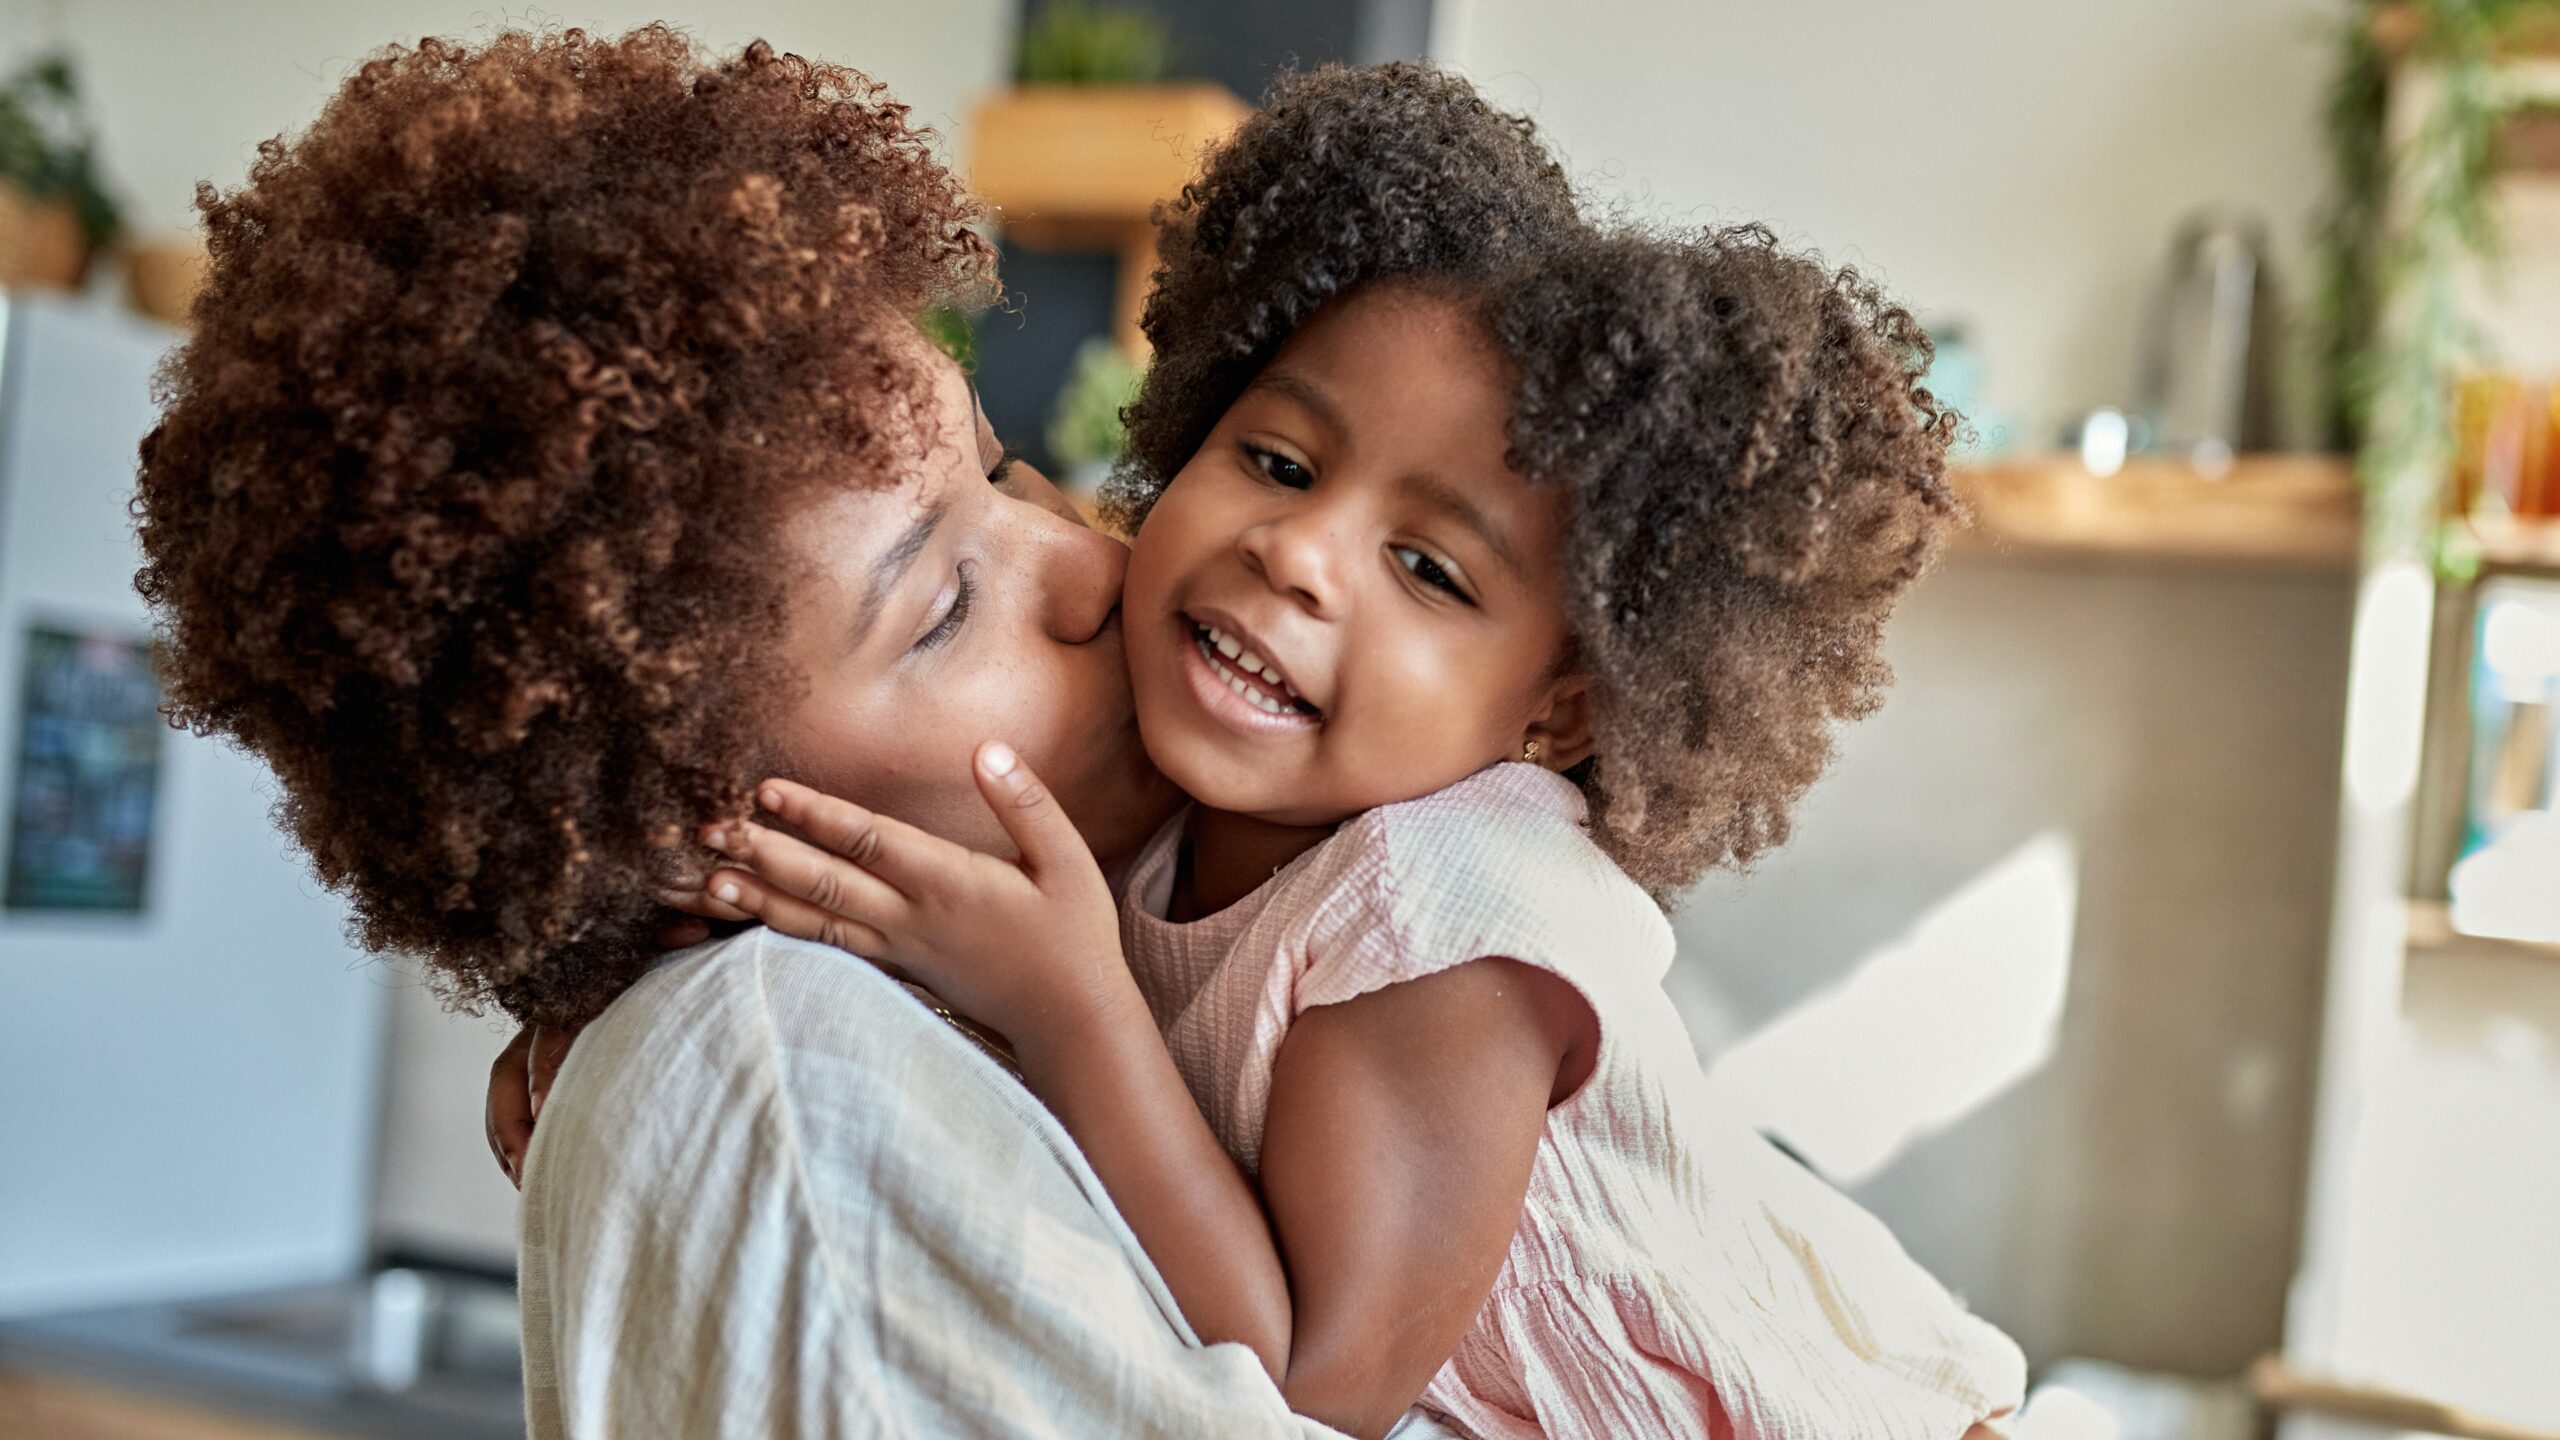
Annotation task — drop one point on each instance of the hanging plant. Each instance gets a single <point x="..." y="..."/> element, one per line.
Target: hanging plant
<point x="2402" y="226"/>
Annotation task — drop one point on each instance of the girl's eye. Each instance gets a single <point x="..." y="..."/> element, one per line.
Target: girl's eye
<point x="1003" y="470"/>
<point x="1430" y="572"/>
<point x="1279" y="469"/>
<point x="952" y="618"/>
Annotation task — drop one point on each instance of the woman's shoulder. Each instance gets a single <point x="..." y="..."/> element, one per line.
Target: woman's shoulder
<point x="739" y="1019"/>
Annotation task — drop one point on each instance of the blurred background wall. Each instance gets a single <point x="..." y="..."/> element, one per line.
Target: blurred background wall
<point x="2012" y="165"/>
<point x="2110" y="1156"/>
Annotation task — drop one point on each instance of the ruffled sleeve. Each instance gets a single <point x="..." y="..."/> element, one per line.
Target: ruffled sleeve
<point x="1496" y="865"/>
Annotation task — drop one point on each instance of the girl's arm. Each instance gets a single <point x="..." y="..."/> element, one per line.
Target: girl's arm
<point x="1402" y="1126"/>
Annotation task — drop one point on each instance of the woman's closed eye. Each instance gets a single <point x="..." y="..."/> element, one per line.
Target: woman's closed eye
<point x="954" y="615"/>
<point x="1002" y="471"/>
<point x="1431" y="570"/>
<point x="1277" y="468"/>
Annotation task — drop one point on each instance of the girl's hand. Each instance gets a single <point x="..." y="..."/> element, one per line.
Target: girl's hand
<point x="519" y="1079"/>
<point x="1022" y="946"/>
<point x="521" y="1076"/>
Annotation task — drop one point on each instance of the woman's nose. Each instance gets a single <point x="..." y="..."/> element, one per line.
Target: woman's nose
<point x="1080" y="575"/>
<point x="1297" y="553"/>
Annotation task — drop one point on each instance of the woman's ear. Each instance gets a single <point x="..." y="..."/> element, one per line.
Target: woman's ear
<point x="1561" y="730"/>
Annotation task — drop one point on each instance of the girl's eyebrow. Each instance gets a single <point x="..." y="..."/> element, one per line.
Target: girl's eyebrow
<point x="1291" y="385"/>
<point x="1457" y="506"/>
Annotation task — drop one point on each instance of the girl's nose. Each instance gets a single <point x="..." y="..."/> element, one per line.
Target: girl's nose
<point x="1298" y="554"/>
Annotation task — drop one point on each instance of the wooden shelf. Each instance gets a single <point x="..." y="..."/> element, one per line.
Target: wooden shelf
<point x="1082" y="167"/>
<point x="2276" y="512"/>
<point x="2431" y="932"/>
<point x="2517" y="547"/>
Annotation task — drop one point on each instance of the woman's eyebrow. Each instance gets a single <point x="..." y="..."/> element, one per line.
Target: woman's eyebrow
<point x="891" y="567"/>
<point x="1308" y="394"/>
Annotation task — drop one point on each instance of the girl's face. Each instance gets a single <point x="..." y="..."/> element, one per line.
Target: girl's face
<point x="965" y="604"/>
<point x="1346" y="598"/>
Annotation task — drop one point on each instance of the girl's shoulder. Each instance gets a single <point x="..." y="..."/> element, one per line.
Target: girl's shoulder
<point x="1496" y="864"/>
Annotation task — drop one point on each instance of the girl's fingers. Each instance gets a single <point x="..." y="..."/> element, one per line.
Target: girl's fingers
<point x="695" y="901"/>
<point x="681" y="934"/>
<point x="795" y="867"/>
<point x="507" y="1117"/>
<point x="550" y="1047"/>
<point x="1029" y="813"/>
<point x="794" y="916"/>
<point x="908" y="859"/>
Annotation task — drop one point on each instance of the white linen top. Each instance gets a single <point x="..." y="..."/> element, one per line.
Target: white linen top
<point x="1673" y="1273"/>
<point x="773" y="1196"/>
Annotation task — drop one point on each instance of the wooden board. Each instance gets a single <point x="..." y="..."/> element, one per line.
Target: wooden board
<point x="2281" y="512"/>
<point x="1092" y="159"/>
<point x="2518" y="547"/>
<point x="2284" y="1388"/>
<point x="34" y="1409"/>
<point x="2431" y="932"/>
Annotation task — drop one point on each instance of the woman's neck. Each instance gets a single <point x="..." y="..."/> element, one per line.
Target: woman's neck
<point x="1227" y="856"/>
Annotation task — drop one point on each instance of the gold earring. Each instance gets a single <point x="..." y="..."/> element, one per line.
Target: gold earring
<point x="1529" y="753"/>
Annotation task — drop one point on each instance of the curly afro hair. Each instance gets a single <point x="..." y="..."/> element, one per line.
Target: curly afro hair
<point x="468" y="483"/>
<point x="1754" y="472"/>
<point x="1754" y="477"/>
<point x="1346" y="177"/>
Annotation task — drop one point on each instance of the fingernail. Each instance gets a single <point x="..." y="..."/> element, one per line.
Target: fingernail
<point x="717" y="837"/>
<point x="726" y="892"/>
<point x="998" y="759"/>
<point x="770" y="798"/>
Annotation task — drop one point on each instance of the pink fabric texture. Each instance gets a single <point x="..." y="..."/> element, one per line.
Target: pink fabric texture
<point x="1673" y="1274"/>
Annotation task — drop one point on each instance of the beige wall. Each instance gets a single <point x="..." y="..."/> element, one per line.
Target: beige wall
<point x="2137" y="1197"/>
<point x="2016" y="163"/>
<point x="2020" y="163"/>
<point x="185" y="89"/>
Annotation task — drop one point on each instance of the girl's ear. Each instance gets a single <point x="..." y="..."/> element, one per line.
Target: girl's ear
<point x="1561" y="730"/>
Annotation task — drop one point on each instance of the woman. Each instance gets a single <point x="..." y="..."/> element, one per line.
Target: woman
<point x="554" y="458"/>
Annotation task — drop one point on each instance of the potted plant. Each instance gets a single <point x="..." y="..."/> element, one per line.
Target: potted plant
<point x="1086" y="434"/>
<point x="54" y="212"/>
<point x="1092" y="135"/>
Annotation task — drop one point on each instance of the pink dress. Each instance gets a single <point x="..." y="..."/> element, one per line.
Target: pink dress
<point x="1673" y="1274"/>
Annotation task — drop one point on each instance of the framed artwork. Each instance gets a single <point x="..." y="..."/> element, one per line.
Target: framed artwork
<point x="87" y="774"/>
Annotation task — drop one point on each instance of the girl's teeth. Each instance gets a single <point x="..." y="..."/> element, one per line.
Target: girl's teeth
<point x="1222" y="644"/>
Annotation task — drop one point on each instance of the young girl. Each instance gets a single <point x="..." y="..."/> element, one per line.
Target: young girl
<point x="1492" y="578"/>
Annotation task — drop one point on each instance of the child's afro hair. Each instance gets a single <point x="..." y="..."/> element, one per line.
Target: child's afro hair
<point x="1755" y="474"/>
<point x="1345" y="178"/>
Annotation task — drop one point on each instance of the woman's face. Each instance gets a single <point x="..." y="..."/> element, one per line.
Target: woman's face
<point x="968" y="603"/>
